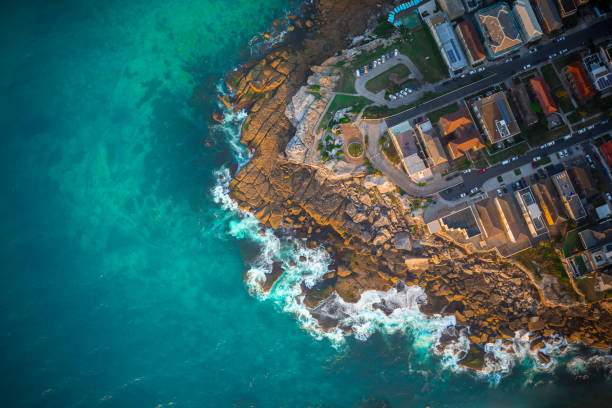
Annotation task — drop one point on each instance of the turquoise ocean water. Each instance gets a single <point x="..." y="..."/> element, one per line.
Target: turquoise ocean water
<point x="122" y="260"/>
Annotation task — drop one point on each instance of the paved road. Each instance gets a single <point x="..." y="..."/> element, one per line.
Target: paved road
<point x="502" y="71"/>
<point x="475" y="179"/>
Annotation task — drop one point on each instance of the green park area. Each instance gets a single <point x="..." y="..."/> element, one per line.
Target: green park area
<point x="437" y="114"/>
<point x="421" y="48"/>
<point x="357" y="103"/>
<point x="382" y="81"/>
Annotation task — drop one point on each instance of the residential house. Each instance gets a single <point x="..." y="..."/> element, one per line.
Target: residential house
<point x="542" y="94"/>
<point x="520" y="96"/>
<point x="597" y="242"/>
<point x="496" y="118"/>
<point x="598" y="71"/>
<point x="500" y="32"/>
<point x="583" y="183"/>
<point x="531" y="212"/>
<point x="551" y="205"/>
<point x="567" y="8"/>
<point x="568" y="195"/>
<point x="453" y="8"/>
<point x="462" y="221"/>
<point x="445" y="37"/>
<point x="404" y="139"/>
<point x="579" y="81"/>
<point x="431" y="143"/>
<point x="459" y="133"/>
<point x="549" y="16"/>
<point x="467" y="35"/>
<point x="526" y="18"/>
<point x="606" y="151"/>
<point x="492" y="227"/>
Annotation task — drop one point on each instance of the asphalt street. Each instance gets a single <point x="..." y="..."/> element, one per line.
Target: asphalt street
<point x="475" y="179"/>
<point x="501" y="71"/>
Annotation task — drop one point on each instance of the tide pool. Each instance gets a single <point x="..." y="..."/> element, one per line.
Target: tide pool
<point x="122" y="279"/>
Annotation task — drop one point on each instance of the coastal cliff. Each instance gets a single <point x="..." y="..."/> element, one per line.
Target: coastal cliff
<point x="373" y="243"/>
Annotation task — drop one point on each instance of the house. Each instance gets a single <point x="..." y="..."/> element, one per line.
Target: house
<point x="567" y="8"/>
<point x="431" y="143"/>
<point x="496" y="118"/>
<point x="520" y="96"/>
<point x="579" y="81"/>
<point x="459" y="132"/>
<point x="444" y="35"/>
<point x="597" y="242"/>
<point x="404" y="139"/>
<point x="531" y="212"/>
<point x="510" y="221"/>
<point x="583" y="182"/>
<point x="568" y="195"/>
<point x="500" y="32"/>
<point x="492" y="227"/>
<point x="467" y="35"/>
<point x="453" y="8"/>
<point x="598" y="71"/>
<point x="542" y="94"/>
<point x="603" y="211"/>
<point x="551" y="205"/>
<point x="527" y="21"/>
<point x="606" y="151"/>
<point x="463" y="222"/>
<point x="549" y="17"/>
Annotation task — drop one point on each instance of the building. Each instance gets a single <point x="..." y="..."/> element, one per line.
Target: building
<point x="597" y="242"/>
<point x="606" y="151"/>
<point x="551" y="205"/>
<point x="567" y="8"/>
<point x="527" y="20"/>
<point x="453" y="8"/>
<point x="568" y="195"/>
<point x="531" y="212"/>
<point x="598" y="71"/>
<point x="404" y="139"/>
<point x="520" y="96"/>
<point x="431" y="144"/>
<point x="579" y="81"/>
<point x="510" y="221"/>
<point x="459" y="132"/>
<point x="496" y="118"/>
<point x="463" y="222"/>
<point x="549" y="17"/>
<point x="492" y="227"/>
<point x="500" y="32"/>
<point x="467" y="35"/>
<point x="603" y="211"/>
<point x="449" y="44"/>
<point x="582" y="182"/>
<point x="542" y="94"/>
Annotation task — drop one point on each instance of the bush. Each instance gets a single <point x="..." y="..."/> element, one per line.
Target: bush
<point x="355" y="149"/>
<point x="517" y="172"/>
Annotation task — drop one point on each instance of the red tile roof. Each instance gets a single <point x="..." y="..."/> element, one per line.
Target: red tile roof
<point x="540" y="89"/>
<point x="580" y="81"/>
<point x="606" y="150"/>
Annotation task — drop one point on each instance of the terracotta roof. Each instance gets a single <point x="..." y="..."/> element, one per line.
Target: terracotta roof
<point x="540" y="89"/>
<point x="495" y="116"/>
<point x="457" y="148"/>
<point x="471" y="41"/>
<point x="500" y="32"/>
<point x="606" y="150"/>
<point x="580" y="81"/>
<point x="549" y="14"/>
<point x="453" y="121"/>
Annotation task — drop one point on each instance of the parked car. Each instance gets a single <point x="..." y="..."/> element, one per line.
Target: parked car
<point x="499" y="192"/>
<point x="514" y="158"/>
<point x="566" y="137"/>
<point x="463" y="75"/>
<point x="481" y="69"/>
<point x="472" y="72"/>
<point x="560" y="38"/>
<point x="609" y="196"/>
<point x="475" y="189"/>
<point x="535" y="159"/>
<point x="508" y="60"/>
<point x="531" y="51"/>
<point x="581" y="131"/>
<point x="505" y="162"/>
<point x="462" y="195"/>
<point x="482" y="170"/>
<point x="590" y="127"/>
<point x="467" y="171"/>
<point x="526" y="67"/>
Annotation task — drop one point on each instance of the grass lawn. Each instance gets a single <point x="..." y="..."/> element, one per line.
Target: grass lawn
<point x="437" y="114"/>
<point x="391" y="153"/>
<point x="515" y="150"/>
<point x="550" y="76"/>
<point x="572" y="243"/>
<point x="341" y="102"/>
<point x="540" y="134"/>
<point x="347" y="83"/>
<point x="355" y="149"/>
<point x="421" y="48"/>
<point x="381" y="81"/>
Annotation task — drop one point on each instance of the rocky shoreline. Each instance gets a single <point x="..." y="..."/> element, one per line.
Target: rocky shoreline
<point x="374" y="245"/>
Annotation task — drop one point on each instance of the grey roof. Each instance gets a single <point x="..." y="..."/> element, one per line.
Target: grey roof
<point x="462" y="220"/>
<point x="450" y="46"/>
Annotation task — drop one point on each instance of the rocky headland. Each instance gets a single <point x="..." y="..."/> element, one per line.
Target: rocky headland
<point x="361" y="222"/>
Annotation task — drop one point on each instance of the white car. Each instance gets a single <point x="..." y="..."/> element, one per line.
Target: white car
<point x="475" y="189"/>
<point x="591" y="127"/>
<point x="508" y="60"/>
<point x="505" y="162"/>
<point x="537" y="158"/>
<point x="481" y="69"/>
<point x="514" y="158"/>
<point x="609" y="196"/>
<point x="467" y="171"/>
<point x="581" y="131"/>
<point x="499" y="192"/>
<point x="472" y="72"/>
<point x="463" y="76"/>
<point x="566" y="137"/>
<point x="526" y="67"/>
<point x="462" y="195"/>
<point x="560" y="38"/>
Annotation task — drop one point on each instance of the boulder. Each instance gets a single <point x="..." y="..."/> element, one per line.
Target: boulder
<point x="381" y="183"/>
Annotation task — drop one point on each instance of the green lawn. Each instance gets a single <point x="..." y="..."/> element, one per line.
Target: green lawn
<point x="341" y="102"/>
<point x="572" y="243"/>
<point x="437" y="114"/>
<point x="347" y="83"/>
<point x="381" y="81"/>
<point x="421" y="48"/>
<point x="562" y="62"/>
<point x="515" y="150"/>
<point x="540" y="134"/>
<point x="542" y="257"/>
<point x="355" y="149"/>
<point x="550" y="76"/>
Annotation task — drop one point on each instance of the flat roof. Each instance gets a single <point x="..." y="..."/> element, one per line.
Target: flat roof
<point x="462" y="220"/>
<point x="496" y="117"/>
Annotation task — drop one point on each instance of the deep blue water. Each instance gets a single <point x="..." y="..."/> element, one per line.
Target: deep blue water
<point x="122" y="279"/>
